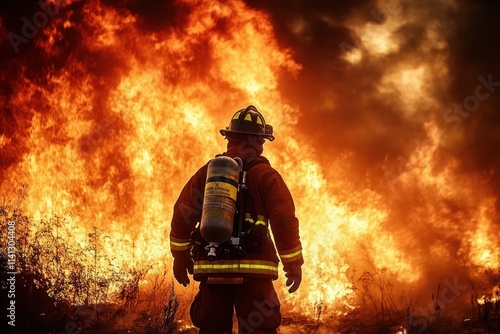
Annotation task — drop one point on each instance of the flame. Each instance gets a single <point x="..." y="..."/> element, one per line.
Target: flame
<point x="493" y="297"/>
<point x="113" y="134"/>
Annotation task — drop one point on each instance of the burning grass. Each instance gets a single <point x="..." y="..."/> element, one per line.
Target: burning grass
<point x="63" y="284"/>
<point x="69" y="284"/>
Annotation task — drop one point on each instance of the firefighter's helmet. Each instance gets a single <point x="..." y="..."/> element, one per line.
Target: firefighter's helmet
<point x="248" y="121"/>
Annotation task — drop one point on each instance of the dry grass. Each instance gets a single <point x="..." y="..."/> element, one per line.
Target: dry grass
<point x="56" y="292"/>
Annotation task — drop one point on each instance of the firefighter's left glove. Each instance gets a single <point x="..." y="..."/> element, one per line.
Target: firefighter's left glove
<point x="182" y="266"/>
<point x="293" y="273"/>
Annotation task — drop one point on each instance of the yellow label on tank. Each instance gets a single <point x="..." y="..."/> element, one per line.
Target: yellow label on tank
<point x="220" y="189"/>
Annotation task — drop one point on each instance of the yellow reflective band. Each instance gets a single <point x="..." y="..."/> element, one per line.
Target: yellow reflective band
<point x="248" y="217"/>
<point x="237" y="115"/>
<point x="205" y="267"/>
<point x="257" y="266"/>
<point x="248" y="117"/>
<point x="286" y="256"/>
<point x="216" y="266"/>
<point x="259" y="120"/>
<point x="234" y="266"/>
<point x="261" y="220"/>
<point x="179" y="244"/>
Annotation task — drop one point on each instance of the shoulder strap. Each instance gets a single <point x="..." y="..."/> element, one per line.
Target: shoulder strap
<point x="247" y="202"/>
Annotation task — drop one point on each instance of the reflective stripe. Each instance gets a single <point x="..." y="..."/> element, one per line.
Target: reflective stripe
<point x="242" y="266"/>
<point x="179" y="248"/>
<point x="292" y="254"/>
<point x="179" y="244"/>
<point x="261" y="220"/>
<point x="286" y="256"/>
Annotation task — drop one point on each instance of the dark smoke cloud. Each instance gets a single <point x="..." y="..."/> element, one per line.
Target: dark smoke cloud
<point x="475" y="52"/>
<point x="343" y="111"/>
<point x="340" y="104"/>
<point x="152" y="15"/>
<point x="340" y="107"/>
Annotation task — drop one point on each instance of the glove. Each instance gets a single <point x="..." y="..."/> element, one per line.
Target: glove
<point x="182" y="266"/>
<point x="293" y="273"/>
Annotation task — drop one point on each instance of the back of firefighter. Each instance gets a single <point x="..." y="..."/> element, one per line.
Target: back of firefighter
<point x="240" y="279"/>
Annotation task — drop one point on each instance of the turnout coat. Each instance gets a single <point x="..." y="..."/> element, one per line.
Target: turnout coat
<point x="272" y="206"/>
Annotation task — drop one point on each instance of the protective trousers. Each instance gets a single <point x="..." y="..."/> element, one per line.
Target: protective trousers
<point x="255" y="301"/>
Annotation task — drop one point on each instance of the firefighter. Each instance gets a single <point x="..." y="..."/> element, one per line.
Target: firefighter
<point x="239" y="277"/>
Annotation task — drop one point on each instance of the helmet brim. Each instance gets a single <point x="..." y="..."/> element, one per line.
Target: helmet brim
<point x="224" y="132"/>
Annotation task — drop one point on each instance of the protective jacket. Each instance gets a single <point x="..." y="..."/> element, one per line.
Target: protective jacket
<point x="273" y="207"/>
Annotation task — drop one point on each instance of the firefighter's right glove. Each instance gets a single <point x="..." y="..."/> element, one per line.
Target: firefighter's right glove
<point x="293" y="273"/>
<point x="182" y="266"/>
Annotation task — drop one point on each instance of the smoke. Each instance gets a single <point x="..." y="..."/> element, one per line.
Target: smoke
<point x="392" y="113"/>
<point x="343" y="109"/>
<point x="474" y="54"/>
<point x="152" y="15"/>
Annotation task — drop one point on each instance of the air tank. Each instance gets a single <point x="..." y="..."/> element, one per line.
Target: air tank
<point x="219" y="201"/>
